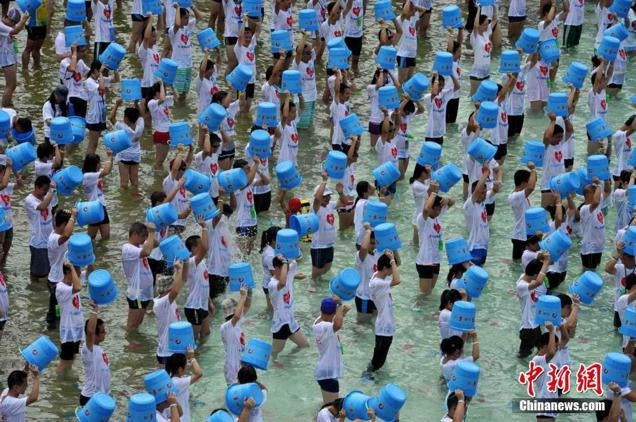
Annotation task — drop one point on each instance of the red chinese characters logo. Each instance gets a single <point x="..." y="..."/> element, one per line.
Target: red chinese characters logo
<point x="588" y="378"/>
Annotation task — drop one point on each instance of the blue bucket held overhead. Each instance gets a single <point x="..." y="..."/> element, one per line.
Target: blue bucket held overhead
<point x="266" y="114"/>
<point x="68" y="179"/>
<point x="616" y="368"/>
<point x="475" y="279"/>
<point x="486" y="91"/>
<point x="536" y="221"/>
<point x="388" y="402"/>
<point x="533" y="152"/>
<point x="5" y="124"/>
<point x="383" y="10"/>
<point x="21" y="137"/>
<point x="345" y="284"/>
<point x="386" y="174"/>
<point x="388" y="97"/>
<point x="240" y="77"/>
<point x="338" y="58"/>
<point x="102" y="288"/>
<point x="386" y="237"/>
<point x="21" y="155"/>
<point x="336" y="42"/>
<point x="260" y="144"/>
<point x="173" y="248"/>
<point x="151" y="6"/>
<point x="257" y="353"/>
<point x="288" y="175"/>
<point x="598" y="129"/>
<point x="416" y="86"/>
<point x="549" y="51"/>
<point x="351" y="126"/>
<point x="462" y="316"/>
<point x="287" y="243"/>
<point x="213" y="116"/>
<point x="112" y="56"/>
<point x="74" y="34"/>
<point x="375" y="213"/>
<point x="220" y="415"/>
<point x="335" y="164"/>
<point x="565" y="183"/>
<point x="304" y="224"/>
<point x="587" y="286"/>
<point x="253" y="8"/>
<point x="162" y="215"/>
<point x="556" y="244"/>
<point x="481" y="150"/>
<point x="281" y="41"/>
<point x="240" y="275"/>
<point x="117" y="141"/>
<point x="528" y="40"/>
<point x="618" y="31"/>
<point x="452" y="17"/>
<point x="78" y="127"/>
<point x="510" y="62"/>
<point x="576" y="74"/>
<point x="487" y="115"/>
<point x="4" y="224"/>
<point x="631" y="197"/>
<point x="598" y="166"/>
<point x="465" y="377"/>
<point x="355" y="406"/>
<point x="196" y="182"/>
<point x="40" y="353"/>
<point x="307" y="20"/>
<point x="548" y="309"/>
<point x="159" y="384"/>
<point x="232" y="180"/>
<point x="430" y="154"/>
<point x="290" y="82"/>
<point x="457" y="251"/>
<point x="80" y="250"/>
<point x="208" y="39"/>
<point x="236" y="395"/>
<point x="141" y="407"/>
<point x="89" y="212"/>
<point x="608" y="49"/>
<point x="29" y="5"/>
<point x="620" y="8"/>
<point x="386" y="57"/>
<point x="75" y="11"/>
<point x="131" y="90"/>
<point x="180" y="134"/>
<point x="447" y="176"/>
<point x="167" y="71"/>
<point x="203" y="206"/>
<point x="628" y="323"/>
<point x="629" y="240"/>
<point x="61" y="131"/>
<point x="99" y="408"/>
<point x="443" y="63"/>
<point x="558" y="104"/>
<point x="180" y="337"/>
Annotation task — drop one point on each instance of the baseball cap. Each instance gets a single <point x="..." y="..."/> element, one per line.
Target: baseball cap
<point x="328" y="306"/>
<point x="228" y="307"/>
<point x="295" y="205"/>
<point x="326" y="192"/>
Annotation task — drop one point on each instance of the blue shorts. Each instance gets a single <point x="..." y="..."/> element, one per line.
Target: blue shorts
<point x="404" y="62"/>
<point x="330" y="385"/>
<point x="478" y="256"/>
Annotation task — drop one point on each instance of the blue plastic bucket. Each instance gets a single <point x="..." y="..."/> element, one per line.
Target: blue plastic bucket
<point x="74" y="34"/>
<point x="307" y="20"/>
<point x="21" y="155"/>
<point x="257" y="353"/>
<point x="447" y="176"/>
<point x="338" y="58"/>
<point x="618" y="31"/>
<point x="443" y="63"/>
<point x="89" y="212"/>
<point x="465" y="377"/>
<point x="162" y="215"/>
<point x="416" y="86"/>
<point x="430" y="154"/>
<point x="510" y="62"/>
<point x="4" y="224"/>
<point x="131" y="89"/>
<point x="61" y="131"/>
<point x="576" y="74"/>
<point x="236" y="395"/>
<point x="345" y="284"/>
<point x="290" y="82"/>
<point x="481" y="150"/>
<point x="533" y="152"/>
<point x="631" y="197"/>
<point x="608" y="49"/>
<point x="203" y="206"/>
<point x="386" y="237"/>
<point x="167" y="71"/>
<point x="68" y="179"/>
<point x="565" y="183"/>
<point x="388" y="97"/>
<point x="558" y="104"/>
<point x="598" y="129"/>
<point x="536" y="221"/>
<point x="173" y="248"/>
<point x="28" y="5"/>
<point x="598" y="166"/>
<point x="180" y="337"/>
<point x="351" y="126"/>
<point x="581" y="172"/>
<point x="208" y="39"/>
<point x="620" y="8"/>
<point x="117" y="141"/>
<point x="101" y="288"/>
<point x="628" y="323"/>
<point x="549" y="51"/>
<point x="616" y="368"/>
<point x="383" y="10"/>
<point x="548" y="309"/>
<point x="288" y="175"/>
<point x="142" y="407"/>
<point x="180" y="134"/>
<point x="629" y="239"/>
<point x="487" y="115"/>
<point x="557" y="243"/>
<point x="486" y="91"/>
<point x="232" y="180"/>
<point x="375" y="213"/>
<point x="304" y="224"/>
<point x="266" y="114"/>
<point x="260" y="144"/>
<point x="112" y="56"/>
<point x="287" y="243"/>
<point x="196" y="182"/>
<point x="78" y="127"/>
<point x="335" y="164"/>
<point x="20" y="137"/>
<point x="528" y="40"/>
<point x="40" y="353"/>
<point x="462" y="316"/>
<point x="80" y="250"/>
<point x="159" y="385"/>
<point x="220" y="415"/>
<point x="386" y="57"/>
<point x="475" y="279"/>
<point x="336" y="42"/>
<point x="99" y="408"/>
<point x="452" y="17"/>
<point x="75" y="11"/>
<point x="213" y="116"/>
<point x="240" y="77"/>
<point x="281" y="41"/>
<point x="587" y="286"/>
<point x="388" y="402"/>
<point x="457" y="251"/>
<point x="152" y="6"/>
<point x="355" y="406"/>
<point x="253" y="8"/>
<point x="386" y="174"/>
<point x="240" y="275"/>
<point x="5" y="124"/>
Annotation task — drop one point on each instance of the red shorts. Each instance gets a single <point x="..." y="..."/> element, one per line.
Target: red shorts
<point x="160" y="138"/>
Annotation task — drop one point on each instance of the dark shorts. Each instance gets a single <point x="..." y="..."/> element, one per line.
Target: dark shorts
<point x="69" y="349"/>
<point x="146" y="91"/>
<point x="529" y="338"/>
<point x="515" y="125"/>
<point x="475" y="78"/>
<point x="156" y="267"/>
<point x="262" y="201"/>
<point x="249" y="91"/>
<point x="321" y="257"/>
<point x="427" y="271"/>
<point x="365" y="306"/>
<point x="375" y="128"/>
<point x="162" y="360"/>
<point x="106" y="220"/>
<point x="478" y="256"/>
<point x="217" y="285"/>
<point x="329" y="385"/>
<point x="138" y="18"/>
<point x="129" y="162"/>
<point x="354" y="44"/>
<point x="39" y="261"/>
<point x="615" y="86"/>
<point x="617" y="320"/>
<point x="516" y="19"/>
<point x="2" y="324"/>
<point x="439" y="140"/>
<point x="99" y="48"/>
<point x="404" y="62"/>
<point x="284" y="333"/>
<point x="592" y="260"/>
<point x="555" y="279"/>
<point x="288" y="55"/>
<point x="452" y="107"/>
<point x="36" y="33"/>
<point x="96" y="127"/>
<point x="137" y="304"/>
<point x="231" y="40"/>
<point x="502" y="151"/>
<point x="79" y="106"/>
<point x="196" y="316"/>
<point x="7" y="239"/>
<point x="465" y="178"/>
<point x="160" y="138"/>
<point x="250" y="231"/>
<point x="518" y="246"/>
<point x="227" y="155"/>
<point x="83" y="400"/>
<point x="572" y="35"/>
<point x="490" y="208"/>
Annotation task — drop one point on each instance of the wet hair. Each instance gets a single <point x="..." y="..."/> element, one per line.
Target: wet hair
<point x="246" y="374"/>
<point x="24" y="123"/>
<point x="558" y="130"/>
<point x="215" y="139"/>
<point x="451" y="401"/>
<point x="137" y="228"/>
<point x="154" y="90"/>
<point x="157" y="198"/>
<point x="389" y="33"/>
<point x="630" y="281"/>
<point x="219" y="96"/>
<point x="62" y="104"/>
<point x="291" y="105"/>
<point x="533" y="239"/>
<point x="330" y="6"/>
<point x="456" y="46"/>
<point x="362" y="187"/>
<point x="42" y="181"/>
<point x="566" y="300"/>
<point x="376" y="75"/>
<point x="474" y="186"/>
<point x="98" y="326"/>
<point x="482" y="19"/>
<point x="268" y="72"/>
<point x="545" y="9"/>
<point x="455" y="271"/>
<point x="449" y="296"/>
<point x="91" y="163"/>
<point x="534" y="267"/>
<point x="227" y="210"/>
<point x="16" y="378"/>
<point x="44" y="151"/>
<point x="625" y="176"/>
<point x="96" y="65"/>
<point x="131" y="114"/>
<point x="268" y="236"/>
<point x="450" y="345"/>
<point x="630" y="120"/>
<point x="543" y="340"/>
<point x="277" y="262"/>
<point x="175" y="362"/>
<point x="337" y="403"/>
<point x="521" y="176"/>
<point x="192" y="241"/>
<point x="384" y="261"/>
<point x="183" y="12"/>
<point x="417" y="172"/>
<point x="409" y="107"/>
<point x="239" y="164"/>
<point x="62" y="217"/>
<point x="66" y="269"/>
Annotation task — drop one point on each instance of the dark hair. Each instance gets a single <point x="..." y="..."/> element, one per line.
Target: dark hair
<point x="131" y="114"/>
<point x="545" y="9"/>
<point x="24" y="123"/>
<point x="474" y="186"/>
<point x="45" y="150"/>
<point x="246" y="374"/>
<point x="137" y="228"/>
<point x="625" y="176"/>
<point x="558" y="130"/>
<point x="482" y="19"/>
<point x="175" y="362"/>
<point x="66" y="268"/>
<point x="521" y="176"/>
<point x="630" y="281"/>
<point x="534" y="267"/>
<point x="417" y="172"/>
<point x="630" y="120"/>
<point x="214" y="138"/>
<point x="268" y="72"/>
<point x="543" y="340"/>
<point x="227" y="210"/>
<point x="96" y="65"/>
<point x="16" y="378"/>
<point x="532" y="239"/>
<point x="337" y="403"/>
<point x="409" y="107"/>
<point x="456" y="46"/>
<point x="451" y="401"/>
<point x="62" y="104"/>
<point x="183" y="12"/>
<point x="566" y="300"/>
<point x="192" y="241"/>
<point x="42" y="181"/>
<point x="91" y="163"/>
<point x="219" y="96"/>
<point x="291" y="104"/>
<point x="384" y="261"/>
<point x="362" y="187"/>
<point x="330" y="6"/>
<point x="157" y="198"/>
<point x="277" y="262"/>
<point x="457" y="270"/>
<point x="239" y="163"/>
<point x="452" y="344"/>
<point x="100" y="323"/>
<point x="376" y="75"/>
<point x="268" y="236"/>
<point x="449" y="296"/>
<point x="154" y="90"/>
<point x="62" y="217"/>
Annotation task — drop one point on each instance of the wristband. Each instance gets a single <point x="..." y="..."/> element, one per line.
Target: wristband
<point x="173" y="405"/>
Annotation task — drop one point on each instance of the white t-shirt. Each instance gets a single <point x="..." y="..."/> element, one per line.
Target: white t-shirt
<point x="576" y="13"/>
<point x="325" y="415"/>
<point x="329" y="365"/>
<point x="209" y="165"/>
<point x="519" y="204"/>
<point x="330" y="31"/>
<point x="96" y="108"/>
<point x="386" y="151"/>
<point x="12" y="409"/>
<point x="182" y="387"/>
<point x="96" y="371"/>
<point x="593" y="227"/>
<point x="137" y="272"/>
<point x="267" y="264"/>
<point x="180" y="200"/>
<point x="133" y="153"/>
<point x="234" y="343"/>
<point x="71" y="316"/>
<point x="103" y="27"/>
<point x="74" y="80"/>
<point x="245" y="210"/>
<point x="429" y="232"/>
<point x="325" y="237"/>
<point x="93" y="187"/>
<point x="517" y="8"/>
<point x="160" y="113"/>
<point x="514" y="103"/>
<point x="358" y="224"/>
<point x="620" y="274"/>
<point x="443" y="320"/>
<point x="247" y="56"/>
<point x="205" y="88"/>
<point x="308" y="77"/>
<point x="366" y="269"/>
<point x="5" y="203"/>
<point x="40" y="222"/>
<point x="4" y="299"/>
<point x="597" y="103"/>
<point x="551" y="31"/>
<point x="181" y="46"/>
<point x="528" y="301"/>
<point x="407" y="46"/>
<point x="354" y="20"/>
<point x="283" y="301"/>
<point x="476" y="219"/>
<point x="482" y="47"/>
<point x="623" y="147"/>
<point x="149" y="58"/>
<point x="338" y="111"/>
<point x="219" y="247"/>
<point x="233" y="18"/>
<point x="60" y="44"/>
<point x="198" y="285"/>
<point x="56" y="254"/>
<point x="166" y="313"/>
<point x="380" y="289"/>
<point x="553" y="164"/>
<point x="448" y="368"/>
<point x="436" y="107"/>
<point x="289" y="142"/>
<point x="420" y="194"/>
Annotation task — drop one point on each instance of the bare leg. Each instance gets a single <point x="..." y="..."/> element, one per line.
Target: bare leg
<point x="404" y="164"/>
<point x="232" y="61"/>
<point x="318" y="272"/>
<point x="92" y="231"/>
<point x="137" y="28"/>
<point x="134" y="175"/>
<point x="93" y="139"/>
<point x="104" y="231"/>
<point x="328" y="397"/>
<point x="135" y="318"/>
<point x="277" y="347"/>
<point x="161" y="152"/>
<point x="124" y="175"/>
<point x="374" y="139"/>
<point x="427" y="285"/>
<point x="64" y="365"/>
<point x="10" y="80"/>
<point x="299" y="339"/>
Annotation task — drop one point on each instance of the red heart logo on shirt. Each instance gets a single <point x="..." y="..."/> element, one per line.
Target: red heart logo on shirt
<point x="555" y="32"/>
<point x="356" y="11"/>
<point x="250" y="197"/>
<point x="214" y="167"/>
<point x="263" y="161"/>
<point x="458" y="71"/>
<point x="44" y="214"/>
<point x="107" y="13"/>
<point x="488" y="47"/>
<point x="437" y="227"/>
<point x="214" y="90"/>
<point x="144" y="262"/>
<point x="337" y="33"/>
<point x="238" y="10"/>
<point x="105" y="359"/>
<point x="75" y="301"/>
<point x="628" y="144"/>
<point x="2" y="282"/>
<point x="287" y="297"/>
<point x="100" y="185"/>
<point x="230" y="122"/>
<point x="543" y="69"/>
<point x="621" y="53"/>
<point x="403" y="127"/>
<point x="184" y="38"/>
<point x="484" y="216"/>
<point x="77" y="76"/>
<point x="294" y="138"/>
<point x="249" y="55"/>
<point x="242" y="339"/>
<point x="568" y="228"/>
<point x="599" y="217"/>
<point x="533" y="296"/>
<point x="309" y="72"/>
<point x="182" y="191"/>
<point x="412" y="30"/>
<point x="394" y="151"/>
<point x="603" y="104"/>
<point x="330" y="219"/>
<point x="223" y="242"/>
<point x="558" y="155"/>
<point x="6" y="199"/>
<point x="290" y="21"/>
<point x="519" y="85"/>
<point x="438" y="102"/>
<point x="504" y="116"/>
<point x="156" y="57"/>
